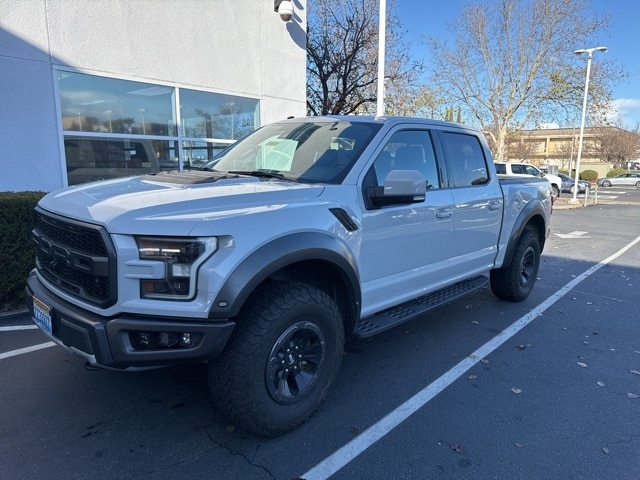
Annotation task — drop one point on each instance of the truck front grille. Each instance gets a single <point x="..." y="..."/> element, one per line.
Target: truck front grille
<point x="76" y="257"/>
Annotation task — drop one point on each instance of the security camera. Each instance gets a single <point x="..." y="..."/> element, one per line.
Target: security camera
<point x="285" y="10"/>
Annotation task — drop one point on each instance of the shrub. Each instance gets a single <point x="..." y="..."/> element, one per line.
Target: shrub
<point x="589" y="175"/>
<point x="617" y="171"/>
<point x="16" y="247"/>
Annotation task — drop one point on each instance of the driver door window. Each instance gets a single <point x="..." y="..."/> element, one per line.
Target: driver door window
<point x="408" y="150"/>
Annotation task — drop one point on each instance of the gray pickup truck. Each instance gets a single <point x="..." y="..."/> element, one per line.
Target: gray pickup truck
<point x="263" y="260"/>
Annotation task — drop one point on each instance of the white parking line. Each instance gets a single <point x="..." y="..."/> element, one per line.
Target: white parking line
<point x="20" y="351"/>
<point x="18" y="327"/>
<point x="355" y="447"/>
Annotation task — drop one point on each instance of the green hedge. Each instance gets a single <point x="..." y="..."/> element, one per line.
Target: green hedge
<point x="589" y="175"/>
<point x="617" y="171"/>
<point x="16" y="246"/>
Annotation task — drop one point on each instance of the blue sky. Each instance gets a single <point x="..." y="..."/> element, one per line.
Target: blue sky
<point x="420" y="17"/>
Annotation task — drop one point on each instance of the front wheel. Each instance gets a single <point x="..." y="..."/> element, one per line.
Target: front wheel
<point x="283" y="356"/>
<point x="556" y="191"/>
<point x="638" y="184"/>
<point x="606" y="183"/>
<point x="515" y="281"/>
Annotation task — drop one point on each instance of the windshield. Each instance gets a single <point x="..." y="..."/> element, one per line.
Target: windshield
<point x="309" y="152"/>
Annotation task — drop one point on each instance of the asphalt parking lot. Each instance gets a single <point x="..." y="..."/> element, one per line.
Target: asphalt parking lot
<point x="544" y="389"/>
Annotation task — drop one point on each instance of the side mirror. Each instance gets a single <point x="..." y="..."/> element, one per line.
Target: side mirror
<point x="400" y="186"/>
<point x="403" y="183"/>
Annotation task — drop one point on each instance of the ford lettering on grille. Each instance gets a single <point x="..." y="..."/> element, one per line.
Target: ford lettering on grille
<point x="76" y="257"/>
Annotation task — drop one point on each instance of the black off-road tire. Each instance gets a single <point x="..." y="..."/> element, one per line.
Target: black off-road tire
<point x="281" y="359"/>
<point x="515" y="281"/>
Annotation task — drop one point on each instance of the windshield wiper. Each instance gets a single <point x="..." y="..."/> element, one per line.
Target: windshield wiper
<point x="261" y="174"/>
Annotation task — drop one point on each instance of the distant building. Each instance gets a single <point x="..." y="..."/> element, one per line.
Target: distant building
<point x="559" y="147"/>
<point x="102" y="89"/>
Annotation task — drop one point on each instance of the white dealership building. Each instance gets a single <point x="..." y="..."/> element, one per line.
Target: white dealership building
<point x="102" y="89"/>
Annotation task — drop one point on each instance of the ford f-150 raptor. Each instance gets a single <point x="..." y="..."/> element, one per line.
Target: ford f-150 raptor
<point x="262" y="261"/>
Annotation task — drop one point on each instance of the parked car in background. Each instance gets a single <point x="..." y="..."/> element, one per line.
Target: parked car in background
<point x="622" y="179"/>
<point x="519" y="169"/>
<point x="568" y="184"/>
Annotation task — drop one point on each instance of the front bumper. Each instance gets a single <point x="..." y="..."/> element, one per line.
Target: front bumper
<point x="106" y="341"/>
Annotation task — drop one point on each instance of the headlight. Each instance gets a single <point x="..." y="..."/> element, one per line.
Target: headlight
<point x="182" y="257"/>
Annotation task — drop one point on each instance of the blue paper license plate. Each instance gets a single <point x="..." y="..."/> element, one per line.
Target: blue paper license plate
<point x="42" y="314"/>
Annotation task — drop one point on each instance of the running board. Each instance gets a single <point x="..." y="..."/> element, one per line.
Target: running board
<point x="404" y="312"/>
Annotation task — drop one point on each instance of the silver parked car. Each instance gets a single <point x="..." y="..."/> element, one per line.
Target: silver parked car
<point x="623" y="179"/>
<point x="568" y="184"/>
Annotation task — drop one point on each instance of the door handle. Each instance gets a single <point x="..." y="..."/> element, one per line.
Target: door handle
<point x="495" y="205"/>
<point x="444" y="213"/>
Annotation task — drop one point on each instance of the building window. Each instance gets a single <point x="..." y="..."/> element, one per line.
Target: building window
<point x="213" y="115"/>
<point x="108" y="105"/>
<point x="114" y="127"/>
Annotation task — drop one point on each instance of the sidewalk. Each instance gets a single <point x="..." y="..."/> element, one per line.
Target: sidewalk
<point x="566" y="203"/>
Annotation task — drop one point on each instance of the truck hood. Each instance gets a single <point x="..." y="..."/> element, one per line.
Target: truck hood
<point x="173" y="202"/>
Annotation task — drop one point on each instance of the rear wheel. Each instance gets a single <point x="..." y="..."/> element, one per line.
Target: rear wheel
<point x="638" y="184"/>
<point x="556" y="191"/>
<point x="515" y="281"/>
<point x="282" y="358"/>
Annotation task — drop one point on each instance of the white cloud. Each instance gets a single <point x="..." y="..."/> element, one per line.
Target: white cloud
<point x="627" y="110"/>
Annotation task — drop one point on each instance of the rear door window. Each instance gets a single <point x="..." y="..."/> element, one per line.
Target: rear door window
<point x="466" y="163"/>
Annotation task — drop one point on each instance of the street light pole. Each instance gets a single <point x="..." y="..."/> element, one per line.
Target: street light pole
<point x="382" y="26"/>
<point x="589" y="52"/>
<point x="144" y="128"/>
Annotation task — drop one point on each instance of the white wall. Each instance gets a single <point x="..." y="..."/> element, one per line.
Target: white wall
<point x="226" y="46"/>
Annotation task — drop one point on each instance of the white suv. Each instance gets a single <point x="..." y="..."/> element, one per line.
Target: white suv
<point x="515" y="169"/>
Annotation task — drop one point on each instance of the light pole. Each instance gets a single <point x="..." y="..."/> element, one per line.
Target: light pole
<point x="382" y="27"/>
<point x="144" y="128"/>
<point x="589" y="52"/>
<point x="232" y="106"/>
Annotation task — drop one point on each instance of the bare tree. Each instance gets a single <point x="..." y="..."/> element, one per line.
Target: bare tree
<point x="616" y="145"/>
<point x="342" y="51"/>
<point x="512" y="63"/>
<point x="519" y="148"/>
<point x="566" y="152"/>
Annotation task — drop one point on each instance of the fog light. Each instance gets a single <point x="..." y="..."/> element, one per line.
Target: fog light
<point x="145" y="340"/>
<point x="160" y="340"/>
<point x="185" y="341"/>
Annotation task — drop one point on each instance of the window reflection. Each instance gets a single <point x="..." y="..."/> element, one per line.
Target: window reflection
<point x="100" y="158"/>
<point x="196" y="154"/>
<point x="214" y="115"/>
<point x="114" y="128"/>
<point x="109" y="105"/>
